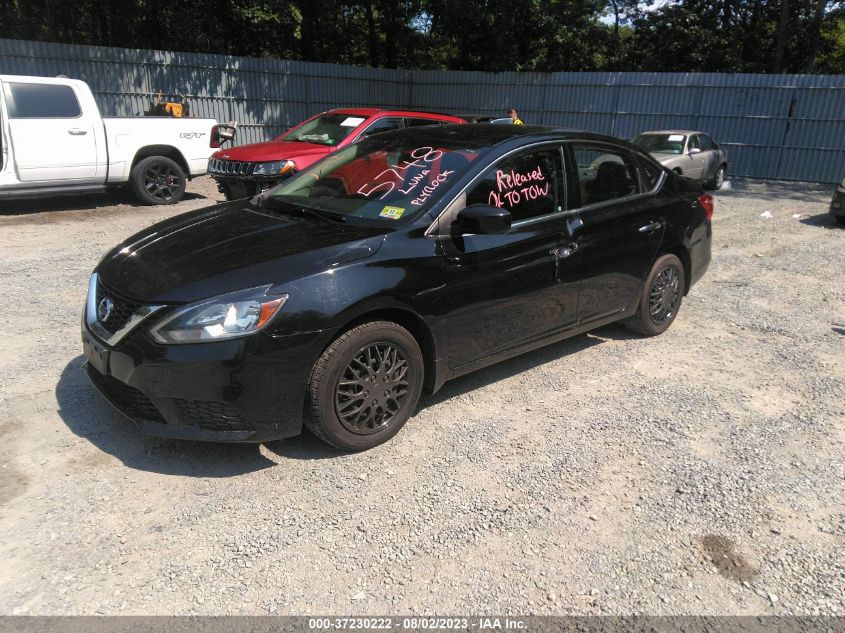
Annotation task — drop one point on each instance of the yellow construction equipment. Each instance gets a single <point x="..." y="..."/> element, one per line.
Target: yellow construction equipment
<point x="169" y="105"/>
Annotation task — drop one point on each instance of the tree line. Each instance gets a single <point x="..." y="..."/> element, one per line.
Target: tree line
<point x="756" y="36"/>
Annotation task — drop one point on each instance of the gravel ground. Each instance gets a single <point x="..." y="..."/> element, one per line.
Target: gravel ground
<point x="699" y="472"/>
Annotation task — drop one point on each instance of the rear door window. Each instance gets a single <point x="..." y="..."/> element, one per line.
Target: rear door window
<point x="41" y="101"/>
<point x="420" y="122"/>
<point x="385" y="124"/>
<point x="707" y="143"/>
<point x="604" y="173"/>
<point x="527" y="185"/>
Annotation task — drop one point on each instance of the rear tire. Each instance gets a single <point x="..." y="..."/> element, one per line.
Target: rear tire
<point x="365" y="386"/>
<point x="157" y="180"/>
<point x="840" y="219"/>
<point x="660" y="298"/>
<point x="718" y="179"/>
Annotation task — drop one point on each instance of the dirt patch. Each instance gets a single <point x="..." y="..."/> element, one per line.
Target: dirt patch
<point x="731" y="564"/>
<point x="12" y="483"/>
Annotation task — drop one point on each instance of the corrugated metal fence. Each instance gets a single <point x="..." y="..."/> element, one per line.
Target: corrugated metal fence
<point x="774" y="126"/>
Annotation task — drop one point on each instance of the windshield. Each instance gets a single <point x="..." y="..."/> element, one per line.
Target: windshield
<point x="381" y="179"/>
<point x="661" y="143"/>
<point x="326" y="129"/>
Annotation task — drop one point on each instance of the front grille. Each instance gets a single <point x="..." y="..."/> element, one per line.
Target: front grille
<point x="212" y="416"/>
<point x="131" y="401"/>
<point x="230" y="167"/>
<point x="123" y="308"/>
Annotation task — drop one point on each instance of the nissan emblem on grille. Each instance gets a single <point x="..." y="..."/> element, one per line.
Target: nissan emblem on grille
<point x="104" y="309"/>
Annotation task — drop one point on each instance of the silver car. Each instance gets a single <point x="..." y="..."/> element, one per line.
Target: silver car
<point x="692" y="154"/>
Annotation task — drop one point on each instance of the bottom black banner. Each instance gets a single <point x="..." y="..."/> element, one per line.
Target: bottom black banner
<point x="515" y="624"/>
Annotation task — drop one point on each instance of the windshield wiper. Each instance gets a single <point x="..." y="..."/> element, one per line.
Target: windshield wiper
<point x="323" y="215"/>
<point x="288" y="207"/>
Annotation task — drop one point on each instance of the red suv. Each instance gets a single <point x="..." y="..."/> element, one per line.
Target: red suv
<point x="243" y="171"/>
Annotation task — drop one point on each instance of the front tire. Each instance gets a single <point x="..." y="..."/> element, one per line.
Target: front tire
<point x="365" y="386"/>
<point x="660" y="298"/>
<point x="157" y="180"/>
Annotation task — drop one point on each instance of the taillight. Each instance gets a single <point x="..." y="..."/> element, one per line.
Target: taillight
<point x="214" y="140"/>
<point x="707" y="203"/>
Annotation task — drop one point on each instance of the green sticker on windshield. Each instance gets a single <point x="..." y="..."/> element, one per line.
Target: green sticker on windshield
<point x="394" y="213"/>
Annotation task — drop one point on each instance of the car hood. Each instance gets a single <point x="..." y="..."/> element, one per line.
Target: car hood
<point x="230" y="247"/>
<point x="273" y="150"/>
<point x="668" y="160"/>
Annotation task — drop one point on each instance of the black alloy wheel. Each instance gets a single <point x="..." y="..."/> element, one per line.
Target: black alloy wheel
<point x="660" y="298"/>
<point x="158" y="180"/>
<point x="161" y="181"/>
<point x="372" y="388"/>
<point x="365" y="386"/>
<point x="664" y="296"/>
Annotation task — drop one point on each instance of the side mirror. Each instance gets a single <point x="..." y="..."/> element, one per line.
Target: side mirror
<point x="484" y="220"/>
<point x="694" y="150"/>
<point x="227" y="131"/>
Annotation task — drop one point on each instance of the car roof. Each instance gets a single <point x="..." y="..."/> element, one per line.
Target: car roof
<point x="469" y="118"/>
<point x="684" y="132"/>
<point x="41" y="80"/>
<point x="474" y="118"/>
<point x="497" y="134"/>
<point x="368" y="112"/>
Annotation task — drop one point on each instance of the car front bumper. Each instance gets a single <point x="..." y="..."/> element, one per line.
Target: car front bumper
<point x="837" y="205"/>
<point x="250" y="389"/>
<point x="245" y="186"/>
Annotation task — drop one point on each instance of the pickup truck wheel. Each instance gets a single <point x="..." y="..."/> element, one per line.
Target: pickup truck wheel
<point x="157" y="180"/>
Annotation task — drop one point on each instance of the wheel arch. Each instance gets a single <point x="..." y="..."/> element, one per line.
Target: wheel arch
<point x="409" y="320"/>
<point x="680" y="251"/>
<point x="168" y="151"/>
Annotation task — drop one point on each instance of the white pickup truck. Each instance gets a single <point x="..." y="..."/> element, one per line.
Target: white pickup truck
<point x="54" y="141"/>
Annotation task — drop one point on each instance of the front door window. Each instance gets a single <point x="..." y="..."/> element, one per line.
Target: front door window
<point x="526" y="185"/>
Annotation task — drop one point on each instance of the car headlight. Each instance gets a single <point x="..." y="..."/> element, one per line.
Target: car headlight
<point x="228" y="316"/>
<point x="274" y="168"/>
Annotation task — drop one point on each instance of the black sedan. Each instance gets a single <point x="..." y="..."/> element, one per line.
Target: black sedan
<point x="387" y="268"/>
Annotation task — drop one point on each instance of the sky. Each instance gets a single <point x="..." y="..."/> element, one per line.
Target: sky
<point x="654" y="5"/>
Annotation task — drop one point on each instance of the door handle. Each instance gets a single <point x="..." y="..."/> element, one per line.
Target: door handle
<point x="77" y="132"/>
<point x="565" y="251"/>
<point x="651" y="227"/>
<point x="562" y="252"/>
